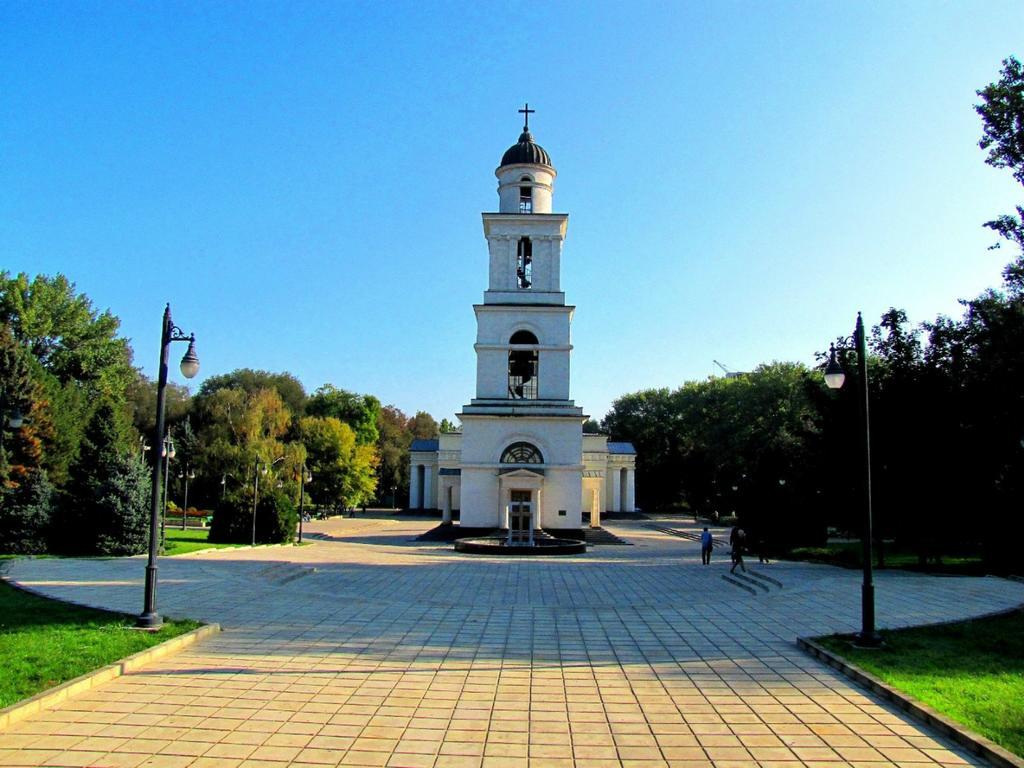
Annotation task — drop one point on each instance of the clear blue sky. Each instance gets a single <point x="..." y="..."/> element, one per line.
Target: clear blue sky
<point x="303" y="181"/>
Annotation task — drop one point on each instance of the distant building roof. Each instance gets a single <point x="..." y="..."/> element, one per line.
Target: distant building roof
<point x="424" y="445"/>
<point x="621" y="448"/>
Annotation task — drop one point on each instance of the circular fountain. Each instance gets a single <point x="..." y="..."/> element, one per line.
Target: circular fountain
<point x="535" y="547"/>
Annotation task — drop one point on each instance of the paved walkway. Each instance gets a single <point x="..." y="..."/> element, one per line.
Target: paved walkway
<point x="366" y="648"/>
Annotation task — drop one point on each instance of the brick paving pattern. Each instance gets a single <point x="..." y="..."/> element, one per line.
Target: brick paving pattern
<point x="368" y="649"/>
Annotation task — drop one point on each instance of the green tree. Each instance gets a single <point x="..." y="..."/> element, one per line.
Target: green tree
<point x="25" y="515"/>
<point x="289" y="388"/>
<point x="360" y="412"/>
<point x="141" y="396"/>
<point x="238" y="428"/>
<point x="70" y="339"/>
<point x="276" y="518"/>
<point x="105" y="508"/>
<point x="747" y="445"/>
<point x="21" y="448"/>
<point x="74" y="356"/>
<point x="448" y="427"/>
<point x="343" y="470"/>
<point x="394" y="439"/>
<point x="1002" y="117"/>
<point x="423" y="426"/>
<point x="122" y="507"/>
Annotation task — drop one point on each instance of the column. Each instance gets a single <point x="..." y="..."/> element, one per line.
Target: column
<point x="414" y="487"/>
<point x="428" y="478"/>
<point x="595" y="508"/>
<point x="534" y="515"/>
<point x="446" y="501"/>
<point x="615" y="502"/>
<point x="630" y="490"/>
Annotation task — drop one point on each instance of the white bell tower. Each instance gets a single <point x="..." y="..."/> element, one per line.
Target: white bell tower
<point x="522" y="445"/>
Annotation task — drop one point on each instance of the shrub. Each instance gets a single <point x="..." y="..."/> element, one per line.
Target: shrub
<point x="276" y="518"/>
<point x="122" y="504"/>
<point x="25" y="515"/>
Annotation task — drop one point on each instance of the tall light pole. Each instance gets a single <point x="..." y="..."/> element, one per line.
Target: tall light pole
<point x="167" y="453"/>
<point x="188" y="474"/>
<point x="260" y="466"/>
<point x="14" y="419"/>
<point x="149" y="619"/>
<point x="305" y="476"/>
<point x="834" y="379"/>
<point x="257" y="468"/>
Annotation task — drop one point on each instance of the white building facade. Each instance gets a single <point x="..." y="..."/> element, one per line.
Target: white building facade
<point x="521" y="461"/>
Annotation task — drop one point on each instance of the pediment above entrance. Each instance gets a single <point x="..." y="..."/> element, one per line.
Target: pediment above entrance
<point x="518" y="472"/>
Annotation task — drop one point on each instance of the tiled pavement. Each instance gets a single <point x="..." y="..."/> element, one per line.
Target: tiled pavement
<point x="369" y="649"/>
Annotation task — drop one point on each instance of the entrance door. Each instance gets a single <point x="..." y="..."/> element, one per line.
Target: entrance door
<point x="519" y="522"/>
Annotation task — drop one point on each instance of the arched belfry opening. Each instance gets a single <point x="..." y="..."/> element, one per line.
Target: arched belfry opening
<point x="524" y="263"/>
<point x="522" y="367"/>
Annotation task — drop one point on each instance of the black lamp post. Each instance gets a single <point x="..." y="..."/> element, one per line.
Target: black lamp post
<point x="188" y="474"/>
<point x="149" y="619"/>
<point x="305" y="476"/>
<point x="834" y="378"/>
<point x="257" y="468"/>
<point x="168" y="453"/>
<point x="13" y="419"/>
<point x="260" y="467"/>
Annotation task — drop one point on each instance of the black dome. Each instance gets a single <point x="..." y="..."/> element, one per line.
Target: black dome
<point x="526" y="151"/>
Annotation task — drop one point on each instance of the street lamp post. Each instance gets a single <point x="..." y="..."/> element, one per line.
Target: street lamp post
<point x="149" y="619"/>
<point x="257" y="468"/>
<point x="168" y="453"/>
<point x="188" y="474"/>
<point x="14" y="419"/>
<point x="834" y="379"/>
<point x="264" y="468"/>
<point x="305" y="476"/>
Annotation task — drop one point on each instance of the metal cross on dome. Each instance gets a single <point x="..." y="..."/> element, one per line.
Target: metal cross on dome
<point x="527" y="112"/>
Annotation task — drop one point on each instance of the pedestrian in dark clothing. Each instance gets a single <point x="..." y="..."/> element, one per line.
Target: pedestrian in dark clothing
<point x="707" y="543"/>
<point x="762" y="548"/>
<point x="737" y="539"/>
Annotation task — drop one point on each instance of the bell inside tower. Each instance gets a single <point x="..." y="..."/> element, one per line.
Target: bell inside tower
<point x="522" y="367"/>
<point x="524" y="263"/>
<point x="525" y="197"/>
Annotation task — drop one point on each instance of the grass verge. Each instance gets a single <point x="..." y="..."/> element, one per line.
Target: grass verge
<point x="179" y="542"/>
<point x="45" y="642"/>
<point x="848" y="555"/>
<point x="971" y="671"/>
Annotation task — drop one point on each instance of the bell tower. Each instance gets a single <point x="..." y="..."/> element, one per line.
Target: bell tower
<point x="522" y="349"/>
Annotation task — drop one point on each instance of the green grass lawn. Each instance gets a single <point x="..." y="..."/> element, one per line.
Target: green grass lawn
<point x="178" y="542"/>
<point x="971" y="671"/>
<point x="848" y="555"/>
<point x="46" y="642"/>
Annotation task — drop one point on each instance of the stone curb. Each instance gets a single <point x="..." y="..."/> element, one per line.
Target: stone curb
<point x="53" y="696"/>
<point x="975" y="742"/>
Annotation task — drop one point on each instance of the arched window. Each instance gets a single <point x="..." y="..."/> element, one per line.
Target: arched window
<point x="524" y="262"/>
<point x="525" y="195"/>
<point x="523" y="337"/>
<point x="522" y="453"/>
<point x="522" y="367"/>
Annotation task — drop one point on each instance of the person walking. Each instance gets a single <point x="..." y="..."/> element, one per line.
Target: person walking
<point x="707" y="543"/>
<point x="737" y="538"/>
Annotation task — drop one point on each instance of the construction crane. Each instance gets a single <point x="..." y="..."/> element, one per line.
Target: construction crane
<point x="729" y="373"/>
